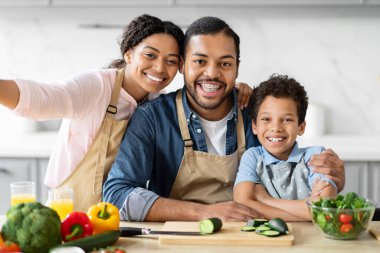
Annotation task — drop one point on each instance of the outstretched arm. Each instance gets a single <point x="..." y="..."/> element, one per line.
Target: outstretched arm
<point x="9" y="93"/>
<point x="251" y="194"/>
<point x="330" y="164"/>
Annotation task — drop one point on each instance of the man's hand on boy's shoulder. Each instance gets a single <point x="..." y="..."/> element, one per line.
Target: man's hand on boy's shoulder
<point x="329" y="163"/>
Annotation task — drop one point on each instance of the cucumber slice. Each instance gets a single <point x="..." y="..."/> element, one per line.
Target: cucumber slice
<point x="256" y="222"/>
<point x="261" y="229"/>
<point x="209" y="226"/>
<point x="271" y="233"/>
<point x="279" y="225"/>
<point x="248" y="229"/>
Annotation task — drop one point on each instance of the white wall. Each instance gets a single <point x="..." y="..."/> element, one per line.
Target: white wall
<point x="334" y="52"/>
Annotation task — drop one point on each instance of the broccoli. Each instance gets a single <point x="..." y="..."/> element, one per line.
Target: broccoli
<point x="33" y="226"/>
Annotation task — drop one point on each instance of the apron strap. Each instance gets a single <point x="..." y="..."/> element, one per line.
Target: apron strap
<point x="106" y="132"/>
<point x="240" y="135"/>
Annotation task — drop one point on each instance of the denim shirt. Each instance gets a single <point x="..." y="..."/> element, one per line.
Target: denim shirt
<point x="151" y="152"/>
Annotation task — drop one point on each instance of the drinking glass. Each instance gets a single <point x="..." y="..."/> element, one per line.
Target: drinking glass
<point x="62" y="201"/>
<point x="22" y="192"/>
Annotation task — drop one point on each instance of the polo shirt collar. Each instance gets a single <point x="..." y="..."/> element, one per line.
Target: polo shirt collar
<point x="295" y="156"/>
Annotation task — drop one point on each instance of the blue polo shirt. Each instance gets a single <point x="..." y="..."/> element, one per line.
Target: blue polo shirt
<point x="290" y="179"/>
<point x="151" y="153"/>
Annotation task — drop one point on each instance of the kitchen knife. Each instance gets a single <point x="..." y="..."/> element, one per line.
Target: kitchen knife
<point x="132" y="231"/>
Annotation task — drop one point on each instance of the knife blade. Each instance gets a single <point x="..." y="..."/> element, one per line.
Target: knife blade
<point x="132" y="231"/>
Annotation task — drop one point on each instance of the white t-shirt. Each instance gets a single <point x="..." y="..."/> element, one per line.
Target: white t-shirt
<point x="81" y="101"/>
<point x="215" y="133"/>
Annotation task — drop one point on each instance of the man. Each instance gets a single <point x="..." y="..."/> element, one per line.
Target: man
<point x="179" y="156"/>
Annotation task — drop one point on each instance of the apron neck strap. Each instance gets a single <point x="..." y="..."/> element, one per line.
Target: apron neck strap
<point x="182" y="121"/>
<point x="240" y="134"/>
<point x="112" y="108"/>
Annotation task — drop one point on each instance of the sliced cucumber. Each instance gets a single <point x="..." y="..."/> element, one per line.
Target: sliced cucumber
<point x="256" y="222"/>
<point x="211" y="225"/>
<point x="271" y="233"/>
<point x="261" y="229"/>
<point x="279" y="225"/>
<point x="248" y="229"/>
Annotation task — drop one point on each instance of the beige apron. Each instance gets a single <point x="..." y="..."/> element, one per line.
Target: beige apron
<point x="204" y="177"/>
<point x="87" y="179"/>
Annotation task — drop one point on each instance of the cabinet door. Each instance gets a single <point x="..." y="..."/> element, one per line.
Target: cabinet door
<point x="374" y="182"/>
<point x="13" y="170"/>
<point x="42" y="188"/>
<point x="356" y="177"/>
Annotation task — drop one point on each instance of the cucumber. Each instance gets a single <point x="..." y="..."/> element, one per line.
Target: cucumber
<point x="88" y="243"/>
<point x="256" y="222"/>
<point x="279" y="225"/>
<point x="261" y="229"/>
<point x="209" y="226"/>
<point x="271" y="233"/>
<point x="248" y="229"/>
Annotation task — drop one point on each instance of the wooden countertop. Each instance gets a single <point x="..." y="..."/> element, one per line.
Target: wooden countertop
<point x="307" y="239"/>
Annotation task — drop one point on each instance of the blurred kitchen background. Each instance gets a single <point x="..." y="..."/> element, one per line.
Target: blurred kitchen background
<point x="332" y="47"/>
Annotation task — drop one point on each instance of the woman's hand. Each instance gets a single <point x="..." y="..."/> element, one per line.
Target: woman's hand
<point x="244" y="92"/>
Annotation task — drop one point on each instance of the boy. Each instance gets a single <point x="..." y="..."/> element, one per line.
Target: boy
<point x="279" y="167"/>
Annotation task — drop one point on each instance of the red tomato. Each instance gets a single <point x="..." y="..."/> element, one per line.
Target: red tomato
<point x="345" y="218"/>
<point x="9" y="247"/>
<point x="328" y="217"/>
<point x="345" y="228"/>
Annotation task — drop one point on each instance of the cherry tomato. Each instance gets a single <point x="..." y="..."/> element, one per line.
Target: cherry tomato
<point x="345" y="228"/>
<point x="328" y="217"/>
<point x="345" y="218"/>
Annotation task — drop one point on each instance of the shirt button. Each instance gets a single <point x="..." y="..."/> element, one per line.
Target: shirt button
<point x="194" y="116"/>
<point x="199" y="130"/>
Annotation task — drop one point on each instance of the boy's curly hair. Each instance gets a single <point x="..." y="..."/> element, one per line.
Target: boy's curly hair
<point x="279" y="86"/>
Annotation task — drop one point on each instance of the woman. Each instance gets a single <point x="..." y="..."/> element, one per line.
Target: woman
<point x="96" y="105"/>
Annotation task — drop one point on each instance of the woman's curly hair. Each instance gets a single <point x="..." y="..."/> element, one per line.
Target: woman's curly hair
<point x="141" y="27"/>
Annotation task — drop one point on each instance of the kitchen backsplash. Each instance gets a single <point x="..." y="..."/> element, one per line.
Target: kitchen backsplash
<point x="333" y="51"/>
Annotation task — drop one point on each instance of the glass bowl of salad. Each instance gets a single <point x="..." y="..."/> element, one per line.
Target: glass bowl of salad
<point x="345" y="217"/>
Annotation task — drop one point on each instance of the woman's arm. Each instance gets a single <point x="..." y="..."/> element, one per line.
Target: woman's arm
<point x="244" y="92"/>
<point x="248" y="193"/>
<point x="9" y="93"/>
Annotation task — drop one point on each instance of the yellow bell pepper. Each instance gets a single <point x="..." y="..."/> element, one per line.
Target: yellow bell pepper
<point x="104" y="217"/>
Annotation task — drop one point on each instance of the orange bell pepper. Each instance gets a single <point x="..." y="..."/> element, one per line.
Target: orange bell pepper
<point x="104" y="217"/>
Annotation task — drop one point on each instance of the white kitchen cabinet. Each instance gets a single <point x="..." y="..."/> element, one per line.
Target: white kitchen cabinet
<point x="110" y="3"/>
<point x="13" y="170"/>
<point x="24" y="3"/>
<point x="364" y="179"/>
<point x="269" y="2"/>
<point x="372" y="2"/>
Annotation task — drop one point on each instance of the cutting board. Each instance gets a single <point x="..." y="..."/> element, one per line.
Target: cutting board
<point x="375" y="232"/>
<point x="230" y="234"/>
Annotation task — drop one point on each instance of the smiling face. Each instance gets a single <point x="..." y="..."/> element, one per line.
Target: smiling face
<point x="210" y="70"/>
<point x="151" y="65"/>
<point x="277" y="126"/>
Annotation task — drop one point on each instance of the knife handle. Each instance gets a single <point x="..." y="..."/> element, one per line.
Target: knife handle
<point x="130" y="231"/>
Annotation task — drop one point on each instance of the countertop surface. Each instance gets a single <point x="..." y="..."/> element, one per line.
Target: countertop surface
<point x="306" y="239"/>
<point x="348" y="147"/>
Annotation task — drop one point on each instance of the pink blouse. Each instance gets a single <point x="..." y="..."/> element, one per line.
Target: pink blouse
<point x="81" y="102"/>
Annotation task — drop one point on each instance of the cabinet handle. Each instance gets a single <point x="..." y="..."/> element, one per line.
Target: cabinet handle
<point x="4" y="171"/>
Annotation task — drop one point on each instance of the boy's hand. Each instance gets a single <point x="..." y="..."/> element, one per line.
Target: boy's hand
<point x="328" y="163"/>
<point x="244" y="92"/>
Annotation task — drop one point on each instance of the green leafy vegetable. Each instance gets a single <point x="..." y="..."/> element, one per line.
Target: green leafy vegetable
<point x="344" y="217"/>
